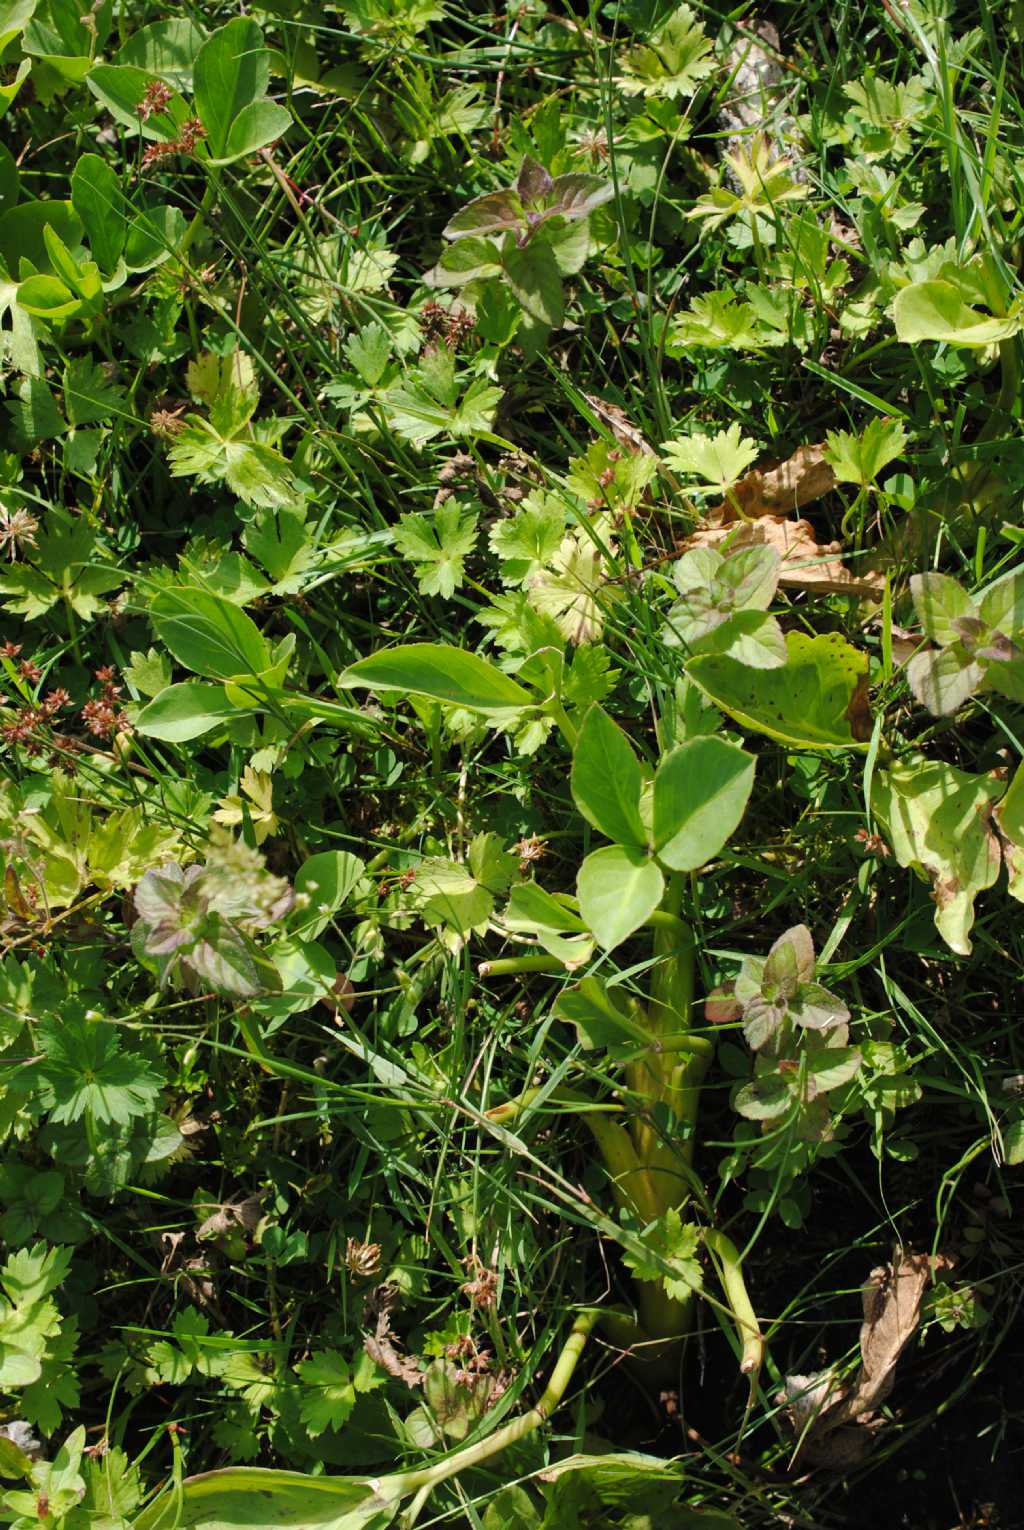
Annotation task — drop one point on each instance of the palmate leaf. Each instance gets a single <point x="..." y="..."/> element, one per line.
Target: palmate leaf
<point x="719" y="460"/>
<point x="438" y="545"/>
<point x="257" y="473"/>
<point x="673" y="62"/>
<point x="84" y="1071"/>
<point x="674" y="1243"/>
<point x="530" y="539"/>
<point x="328" y="1391"/>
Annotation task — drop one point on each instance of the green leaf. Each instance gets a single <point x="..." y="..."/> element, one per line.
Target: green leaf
<point x="22" y="232"/>
<point x="936" y="819"/>
<point x="935" y="310"/>
<point x="530" y="539"/>
<point x="496" y="212"/>
<point x="618" y="889"/>
<point x="327" y="880"/>
<point x="816" y="700"/>
<point x="84" y="1072"/>
<point x="720" y="460"/>
<point x="153" y="236"/>
<point x="263" y="1499"/>
<point x="860" y="459"/>
<point x="941" y="604"/>
<point x="942" y="680"/>
<point x="369" y="350"/>
<point x="89" y="395"/>
<point x="1001" y="604"/>
<point x="447" y="893"/>
<point x="209" y="634"/>
<point x="328" y="1395"/>
<point x="34" y="410"/>
<point x="98" y="200"/>
<point x="1009" y="814"/>
<point x="230" y="75"/>
<point x="282" y="543"/>
<point x="533" y="275"/>
<point x="121" y="89"/>
<point x="701" y="791"/>
<point x="439" y="546"/>
<point x="671" y="1259"/>
<point x="256" y="125"/>
<point x="678" y="56"/>
<point x="601" y="1018"/>
<point x="182" y="712"/>
<point x="607" y="781"/>
<point x="445" y="674"/>
<point x="166" y="48"/>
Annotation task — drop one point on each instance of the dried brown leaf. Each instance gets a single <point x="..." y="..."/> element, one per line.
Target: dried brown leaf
<point x="834" y="1420"/>
<point x="381" y="1345"/>
<point x="231" y="1215"/>
<point x="620" y="425"/>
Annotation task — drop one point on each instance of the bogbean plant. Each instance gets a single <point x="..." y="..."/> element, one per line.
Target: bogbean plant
<point x="224" y="412"/>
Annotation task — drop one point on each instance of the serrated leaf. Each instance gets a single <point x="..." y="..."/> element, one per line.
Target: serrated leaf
<point x="860" y="459"/>
<point x="328" y="1395"/>
<point x="674" y="61"/>
<point x="719" y="460"/>
<point x="439" y="546"/>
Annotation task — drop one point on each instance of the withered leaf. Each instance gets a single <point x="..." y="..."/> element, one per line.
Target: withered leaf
<point x="834" y="1420"/>
<point x="231" y="1215"/>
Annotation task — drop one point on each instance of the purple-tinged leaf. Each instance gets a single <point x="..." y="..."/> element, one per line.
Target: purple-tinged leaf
<point x="496" y="212"/>
<point x="761" y="1020"/>
<point x="817" y="1009"/>
<point x="534" y="185"/>
<point x="577" y="194"/>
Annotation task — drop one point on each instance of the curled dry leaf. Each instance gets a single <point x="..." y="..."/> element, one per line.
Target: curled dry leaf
<point x="230" y="1216"/>
<point x="834" y="1420"/>
<point x="621" y="426"/>
<point x="806" y="565"/>
<point x="382" y="1345"/>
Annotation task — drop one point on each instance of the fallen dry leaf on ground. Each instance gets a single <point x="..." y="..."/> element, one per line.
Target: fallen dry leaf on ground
<point x="805" y="564"/>
<point x="777" y="490"/>
<point x="834" y="1420"/>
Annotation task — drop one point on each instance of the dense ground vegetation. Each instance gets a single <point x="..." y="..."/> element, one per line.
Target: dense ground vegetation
<point x="512" y="805"/>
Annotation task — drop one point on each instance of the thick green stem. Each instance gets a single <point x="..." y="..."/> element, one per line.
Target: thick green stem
<point x="565" y="1365"/>
<point x="509" y="966"/>
<point x="730" y="1272"/>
